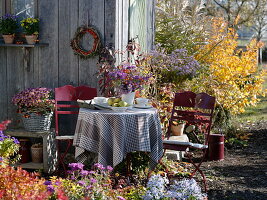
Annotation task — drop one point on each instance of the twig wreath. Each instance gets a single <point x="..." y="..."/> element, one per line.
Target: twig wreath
<point x="76" y="46"/>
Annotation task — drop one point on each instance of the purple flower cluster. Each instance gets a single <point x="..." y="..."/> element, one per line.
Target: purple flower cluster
<point x="128" y="77"/>
<point x="34" y="100"/>
<point x="178" y="62"/>
<point x="9" y="16"/>
<point x="93" y="182"/>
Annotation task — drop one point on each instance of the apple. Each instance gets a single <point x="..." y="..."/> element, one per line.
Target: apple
<point x="116" y="105"/>
<point x="123" y="104"/>
<point x="117" y="100"/>
<point x="111" y="101"/>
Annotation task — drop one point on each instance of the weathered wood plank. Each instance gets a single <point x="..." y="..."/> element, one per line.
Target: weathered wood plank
<point x="15" y="80"/>
<point x="109" y="36"/>
<point x="90" y="12"/>
<point x="48" y="56"/>
<point x="150" y="36"/>
<point x="68" y="64"/>
<point x="3" y="80"/>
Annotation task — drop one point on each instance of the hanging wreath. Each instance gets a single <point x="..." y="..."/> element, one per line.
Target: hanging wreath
<point x="76" y="42"/>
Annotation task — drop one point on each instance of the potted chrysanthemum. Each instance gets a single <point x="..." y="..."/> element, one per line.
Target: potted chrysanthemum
<point x="31" y="29"/>
<point x="8" y="27"/>
<point x="36" y="107"/>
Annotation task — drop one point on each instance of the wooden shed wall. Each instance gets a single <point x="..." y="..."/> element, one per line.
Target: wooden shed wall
<point x="56" y="65"/>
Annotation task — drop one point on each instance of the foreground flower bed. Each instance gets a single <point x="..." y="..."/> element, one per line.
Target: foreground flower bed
<point x="95" y="184"/>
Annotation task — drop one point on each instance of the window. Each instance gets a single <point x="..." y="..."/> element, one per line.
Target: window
<point x="23" y="8"/>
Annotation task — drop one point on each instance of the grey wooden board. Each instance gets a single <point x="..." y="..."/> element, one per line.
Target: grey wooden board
<point x="110" y="9"/>
<point x="48" y="68"/>
<point x="15" y="79"/>
<point x="68" y="70"/>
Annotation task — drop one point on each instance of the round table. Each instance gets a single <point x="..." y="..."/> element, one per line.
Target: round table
<point x="111" y="135"/>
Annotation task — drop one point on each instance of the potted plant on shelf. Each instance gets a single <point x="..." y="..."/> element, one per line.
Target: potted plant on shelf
<point x="36" y="107"/>
<point x="31" y="29"/>
<point x="8" y="27"/>
<point x="177" y="127"/>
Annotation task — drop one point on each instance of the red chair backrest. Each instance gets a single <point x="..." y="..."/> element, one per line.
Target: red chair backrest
<point x="193" y="108"/>
<point x="66" y="100"/>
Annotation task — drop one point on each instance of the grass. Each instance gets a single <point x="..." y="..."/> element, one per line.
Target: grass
<point x="256" y="113"/>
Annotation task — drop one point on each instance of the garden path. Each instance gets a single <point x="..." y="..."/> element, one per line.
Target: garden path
<point x="243" y="172"/>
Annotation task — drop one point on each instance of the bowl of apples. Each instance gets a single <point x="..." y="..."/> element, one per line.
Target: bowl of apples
<point x="117" y="105"/>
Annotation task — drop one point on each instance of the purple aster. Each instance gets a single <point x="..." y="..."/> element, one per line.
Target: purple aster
<point x="121" y="198"/>
<point x="76" y="166"/>
<point x="50" y="188"/>
<point x="15" y="140"/>
<point x="99" y="166"/>
<point x="81" y="183"/>
<point x="92" y="180"/>
<point x="109" y="168"/>
<point x="84" y="172"/>
<point x="1" y="159"/>
<point x="47" y="183"/>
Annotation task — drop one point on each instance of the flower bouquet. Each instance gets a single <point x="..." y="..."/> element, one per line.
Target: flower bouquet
<point x="8" y="27"/>
<point x="127" y="79"/>
<point x="31" y="28"/>
<point x="36" y="103"/>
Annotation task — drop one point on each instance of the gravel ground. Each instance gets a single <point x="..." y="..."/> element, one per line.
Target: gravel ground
<point x="243" y="172"/>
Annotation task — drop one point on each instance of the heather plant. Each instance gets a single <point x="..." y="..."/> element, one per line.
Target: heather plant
<point x="20" y="184"/>
<point x="34" y="100"/>
<point x="9" y="146"/>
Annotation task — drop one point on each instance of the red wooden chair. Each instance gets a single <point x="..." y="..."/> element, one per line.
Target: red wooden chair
<point x="66" y="104"/>
<point x="195" y="109"/>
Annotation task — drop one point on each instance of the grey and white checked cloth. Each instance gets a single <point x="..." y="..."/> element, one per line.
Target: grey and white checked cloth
<point x="112" y="135"/>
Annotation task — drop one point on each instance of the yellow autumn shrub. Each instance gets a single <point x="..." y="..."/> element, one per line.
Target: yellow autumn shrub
<point x="231" y="75"/>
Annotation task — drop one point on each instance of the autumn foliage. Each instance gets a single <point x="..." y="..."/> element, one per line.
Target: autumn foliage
<point x="232" y="75"/>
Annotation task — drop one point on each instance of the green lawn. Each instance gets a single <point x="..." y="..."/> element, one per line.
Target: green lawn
<point x="256" y="113"/>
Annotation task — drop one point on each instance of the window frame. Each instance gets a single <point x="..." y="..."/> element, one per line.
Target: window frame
<point x="7" y="7"/>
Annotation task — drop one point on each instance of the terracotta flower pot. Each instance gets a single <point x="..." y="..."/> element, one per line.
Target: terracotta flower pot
<point x="37" y="153"/>
<point x="31" y="39"/>
<point x="177" y="130"/>
<point x="9" y="39"/>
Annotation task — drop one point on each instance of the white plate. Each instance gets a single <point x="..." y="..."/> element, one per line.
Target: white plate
<point x="102" y="105"/>
<point x="143" y="107"/>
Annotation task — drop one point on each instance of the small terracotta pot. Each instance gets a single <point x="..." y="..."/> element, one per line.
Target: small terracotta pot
<point x="31" y="39"/>
<point x="9" y="39"/>
<point x="177" y="130"/>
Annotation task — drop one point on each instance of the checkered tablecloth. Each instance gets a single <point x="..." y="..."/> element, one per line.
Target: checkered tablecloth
<point x="112" y="135"/>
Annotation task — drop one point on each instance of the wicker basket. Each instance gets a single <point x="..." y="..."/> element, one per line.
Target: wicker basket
<point x="37" y="153"/>
<point x="37" y="123"/>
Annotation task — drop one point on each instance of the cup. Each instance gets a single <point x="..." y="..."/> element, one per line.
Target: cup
<point x="142" y="101"/>
<point x="100" y="100"/>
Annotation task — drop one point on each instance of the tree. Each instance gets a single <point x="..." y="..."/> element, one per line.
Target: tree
<point x="181" y="24"/>
<point x="235" y="12"/>
<point x="260" y="20"/>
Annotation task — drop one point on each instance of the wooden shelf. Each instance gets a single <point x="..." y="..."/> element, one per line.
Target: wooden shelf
<point x="24" y="45"/>
<point x="49" y="149"/>
<point x="30" y="165"/>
